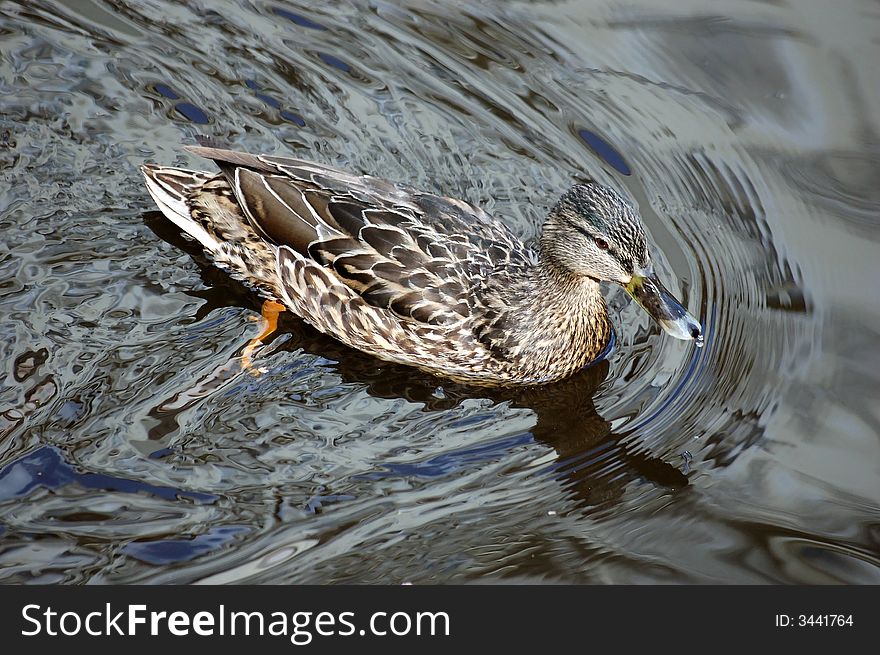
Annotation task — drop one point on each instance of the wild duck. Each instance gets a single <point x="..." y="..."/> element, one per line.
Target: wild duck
<point x="416" y="278"/>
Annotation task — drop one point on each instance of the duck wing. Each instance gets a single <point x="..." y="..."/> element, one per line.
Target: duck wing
<point x="420" y="256"/>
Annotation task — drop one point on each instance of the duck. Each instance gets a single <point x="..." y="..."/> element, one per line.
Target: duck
<point x="417" y="278"/>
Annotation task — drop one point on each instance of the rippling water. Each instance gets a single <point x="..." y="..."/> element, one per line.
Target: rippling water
<point x="133" y="449"/>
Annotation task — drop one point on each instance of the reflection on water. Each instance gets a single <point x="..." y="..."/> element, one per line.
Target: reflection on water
<point x="134" y="449"/>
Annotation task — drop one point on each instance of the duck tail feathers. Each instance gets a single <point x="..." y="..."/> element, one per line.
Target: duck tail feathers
<point x="171" y="189"/>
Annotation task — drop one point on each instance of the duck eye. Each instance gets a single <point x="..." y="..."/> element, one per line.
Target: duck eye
<point x="601" y="244"/>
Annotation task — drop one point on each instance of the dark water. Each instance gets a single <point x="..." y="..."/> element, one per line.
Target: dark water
<point x="133" y="448"/>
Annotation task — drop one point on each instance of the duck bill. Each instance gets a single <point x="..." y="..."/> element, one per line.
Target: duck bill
<point x="664" y="308"/>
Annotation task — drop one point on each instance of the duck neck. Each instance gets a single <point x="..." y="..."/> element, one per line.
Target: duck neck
<point x="563" y="319"/>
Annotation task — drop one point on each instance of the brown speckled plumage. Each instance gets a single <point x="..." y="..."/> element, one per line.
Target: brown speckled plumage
<point x="407" y="276"/>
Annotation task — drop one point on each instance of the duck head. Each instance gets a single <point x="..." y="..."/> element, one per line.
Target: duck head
<point x="592" y="231"/>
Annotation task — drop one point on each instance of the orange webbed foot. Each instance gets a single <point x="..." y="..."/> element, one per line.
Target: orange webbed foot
<point x="269" y="313"/>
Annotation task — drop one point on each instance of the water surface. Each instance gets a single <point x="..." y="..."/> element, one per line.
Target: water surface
<point x="134" y="449"/>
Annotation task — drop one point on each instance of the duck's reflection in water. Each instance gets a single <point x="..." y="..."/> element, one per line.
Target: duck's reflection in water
<point x="592" y="462"/>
